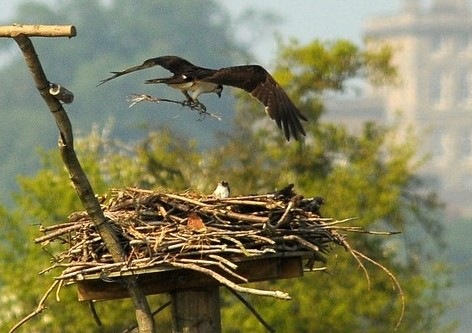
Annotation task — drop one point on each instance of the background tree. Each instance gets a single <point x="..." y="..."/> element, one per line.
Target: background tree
<point x="370" y="175"/>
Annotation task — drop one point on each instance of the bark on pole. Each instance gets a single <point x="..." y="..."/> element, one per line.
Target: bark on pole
<point x="196" y="311"/>
<point x="66" y="147"/>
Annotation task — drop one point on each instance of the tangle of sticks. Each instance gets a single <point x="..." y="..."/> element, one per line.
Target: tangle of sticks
<point x="196" y="232"/>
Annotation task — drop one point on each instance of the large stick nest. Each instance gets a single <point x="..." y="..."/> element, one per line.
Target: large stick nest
<point x="161" y="229"/>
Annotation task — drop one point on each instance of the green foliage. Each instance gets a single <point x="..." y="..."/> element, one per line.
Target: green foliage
<point x="369" y="175"/>
<point x="48" y="198"/>
<point x="309" y="70"/>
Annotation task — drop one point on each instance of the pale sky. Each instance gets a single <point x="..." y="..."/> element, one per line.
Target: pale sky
<point x="304" y="20"/>
<point x="307" y="20"/>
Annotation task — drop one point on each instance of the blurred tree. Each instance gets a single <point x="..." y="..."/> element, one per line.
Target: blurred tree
<point x="369" y="175"/>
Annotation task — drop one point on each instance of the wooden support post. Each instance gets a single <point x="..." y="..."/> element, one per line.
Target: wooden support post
<point x="196" y="310"/>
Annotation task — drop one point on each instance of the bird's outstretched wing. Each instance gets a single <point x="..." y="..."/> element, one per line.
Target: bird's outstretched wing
<point x="173" y="64"/>
<point x="260" y="84"/>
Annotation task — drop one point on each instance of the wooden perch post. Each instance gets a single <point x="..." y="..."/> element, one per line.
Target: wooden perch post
<point x="38" y="30"/>
<point x="21" y="33"/>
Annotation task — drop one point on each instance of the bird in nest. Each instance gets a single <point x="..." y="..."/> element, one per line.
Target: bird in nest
<point x="222" y="191"/>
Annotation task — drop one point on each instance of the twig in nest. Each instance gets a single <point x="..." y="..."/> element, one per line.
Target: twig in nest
<point x="302" y="242"/>
<point x="392" y="278"/>
<point x="283" y="219"/>
<point x="194" y="106"/>
<point x="378" y="233"/>
<point x="58" y="232"/>
<point x="58" y="290"/>
<point x="40" y="308"/>
<point x="223" y="260"/>
<point x="217" y="263"/>
<point x="230" y="284"/>
<point x="354" y="254"/>
<point x="185" y="199"/>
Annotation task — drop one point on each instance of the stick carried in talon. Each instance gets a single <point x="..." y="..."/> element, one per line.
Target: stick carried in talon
<point x="193" y="81"/>
<point x="194" y="105"/>
<point x="200" y="108"/>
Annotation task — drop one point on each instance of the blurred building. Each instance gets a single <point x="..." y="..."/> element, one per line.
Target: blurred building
<point x="433" y="53"/>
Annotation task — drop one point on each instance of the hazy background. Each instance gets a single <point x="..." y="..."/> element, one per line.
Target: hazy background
<point x="306" y="20"/>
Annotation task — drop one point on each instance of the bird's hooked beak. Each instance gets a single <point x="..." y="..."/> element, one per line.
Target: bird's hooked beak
<point x="219" y="90"/>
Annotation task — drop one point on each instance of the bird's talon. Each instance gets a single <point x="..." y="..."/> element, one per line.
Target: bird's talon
<point x="187" y="103"/>
<point x="201" y="107"/>
<point x="194" y="105"/>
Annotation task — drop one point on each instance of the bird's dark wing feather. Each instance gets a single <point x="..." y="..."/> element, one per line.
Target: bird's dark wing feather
<point x="173" y="64"/>
<point x="260" y="84"/>
<point x="194" y="74"/>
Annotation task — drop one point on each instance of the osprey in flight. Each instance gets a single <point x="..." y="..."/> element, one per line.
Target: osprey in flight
<point x="193" y="81"/>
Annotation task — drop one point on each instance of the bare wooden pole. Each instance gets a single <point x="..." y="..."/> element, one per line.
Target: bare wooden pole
<point x="196" y="311"/>
<point x="76" y="173"/>
<point x="38" y="30"/>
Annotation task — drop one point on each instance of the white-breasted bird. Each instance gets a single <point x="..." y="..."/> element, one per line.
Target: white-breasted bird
<point x="222" y="190"/>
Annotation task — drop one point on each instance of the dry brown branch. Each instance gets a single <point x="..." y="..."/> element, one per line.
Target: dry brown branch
<point x="217" y="263"/>
<point x="230" y="284"/>
<point x="241" y="217"/>
<point x="59" y="231"/>
<point x="40" y="308"/>
<point x="223" y="260"/>
<point x="194" y="106"/>
<point x="58" y="290"/>
<point x="354" y="254"/>
<point x="394" y="281"/>
<point x="186" y="199"/>
<point x="283" y="219"/>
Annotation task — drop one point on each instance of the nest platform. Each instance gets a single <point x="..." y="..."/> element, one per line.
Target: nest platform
<point x="187" y="240"/>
